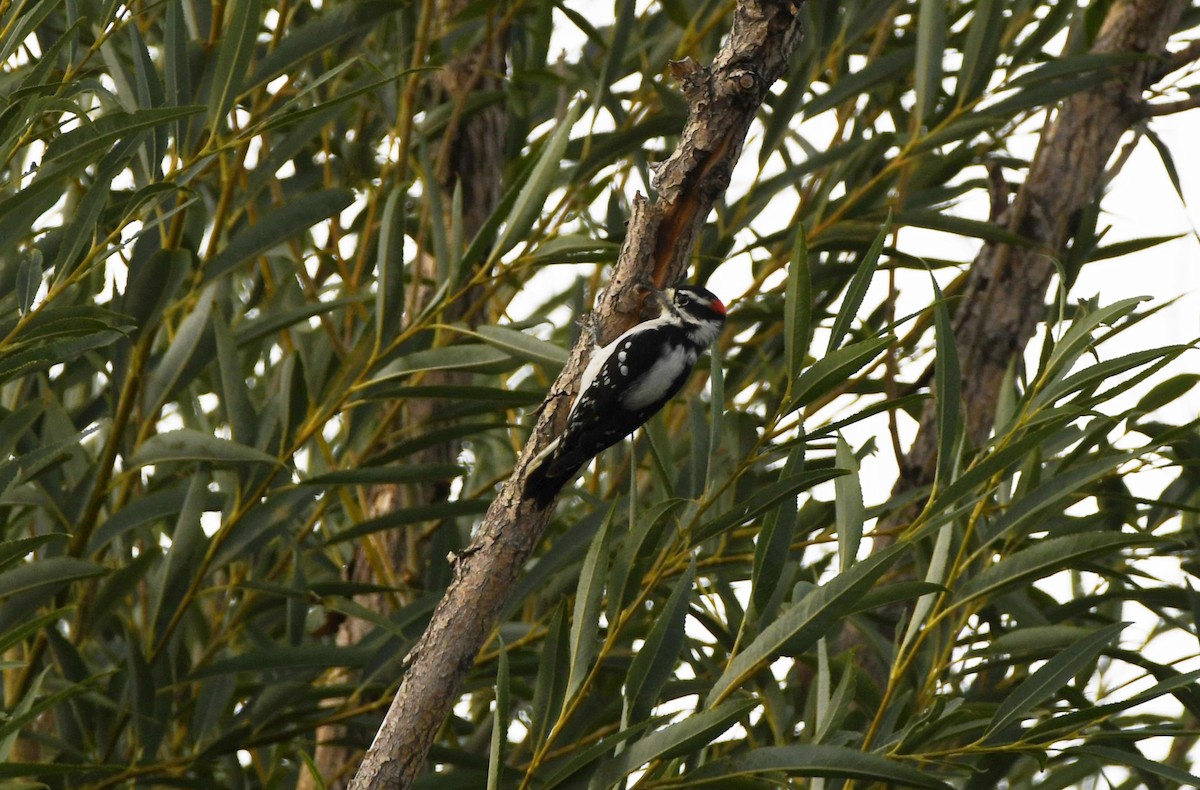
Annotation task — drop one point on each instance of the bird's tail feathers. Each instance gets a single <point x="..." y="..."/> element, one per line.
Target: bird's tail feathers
<point x="547" y="473"/>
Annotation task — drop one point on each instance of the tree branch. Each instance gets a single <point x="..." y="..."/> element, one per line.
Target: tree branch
<point x="661" y="236"/>
<point x="1171" y="107"/>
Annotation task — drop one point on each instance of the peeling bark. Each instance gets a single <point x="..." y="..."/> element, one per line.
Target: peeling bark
<point x="661" y="237"/>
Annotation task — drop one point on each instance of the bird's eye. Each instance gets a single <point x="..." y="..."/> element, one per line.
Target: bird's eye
<point x="682" y="299"/>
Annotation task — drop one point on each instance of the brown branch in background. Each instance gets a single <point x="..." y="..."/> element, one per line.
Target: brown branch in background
<point x="659" y="243"/>
<point x="1005" y="294"/>
<point x="1003" y="298"/>
<point x="1171" y="107"/>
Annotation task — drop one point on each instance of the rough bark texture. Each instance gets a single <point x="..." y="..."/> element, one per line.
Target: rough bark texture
<point x="723" y="100"/>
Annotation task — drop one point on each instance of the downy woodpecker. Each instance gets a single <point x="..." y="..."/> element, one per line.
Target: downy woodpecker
<point x="627" y="382"/>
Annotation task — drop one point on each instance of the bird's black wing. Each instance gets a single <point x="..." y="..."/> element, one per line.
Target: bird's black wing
<point x="602" y="414"/>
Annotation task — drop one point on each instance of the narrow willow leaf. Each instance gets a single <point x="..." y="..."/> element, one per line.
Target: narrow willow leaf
<point x="1066" y="484"/>
<point x="762" y="500"/>
<point x="464" y="356"/>
<point x="856" y="291"/>
<point x="931" y="45"/>
<point x="47" y="571"/>
<point x="805" y="622"/>
<point x="168" y="372"/>
<point x="286" y="657"/>
<point x="550" y="686"/>
<point x="688" y="735"/>
<point x="716" y="412"/>
<point x="775" y="539"/>
<point x="589" y="593"/>
<point x="971" y="228"/>
<point x="152" y="285"/>
<point x="1168" y="160"/>
<point x="376" y="475"/>
<point x="879" y="71"/>
<point x="235" y="395"/>
<point x="947" y="390"/>
<point x="186" y="444"/>
<point x="523" y="346"/>
<point x="389" y="269"/>
<point x="835" y="762"/>
<point x="934" y="574"/>
<point x="285" y="222"/>
<point x="1133" y="758"/>
<point x="1050" y="678"/>
<point x="1168" y="391"/>
<point x="984" y="33"/>
<point x="407" y="516"/>
<point x="499" y="741"/>
<point x="29" y="279"/>
<point x="797" y="307"/>
<point x="833" y="370"/>
<point x="837" y="707"/>
<point x="233" y="56"/>
<point x="848" y="500"/>
<point x="188" y="544"/>
<point x="1040" y="560"/>
<point x="543" y="179"/>
<point x="655" y="661"/>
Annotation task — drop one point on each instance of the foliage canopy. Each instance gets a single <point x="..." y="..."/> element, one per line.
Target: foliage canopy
<point x="226" y="276"/>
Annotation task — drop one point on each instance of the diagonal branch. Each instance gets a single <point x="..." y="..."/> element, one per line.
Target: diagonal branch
<point x="723" y="100"/>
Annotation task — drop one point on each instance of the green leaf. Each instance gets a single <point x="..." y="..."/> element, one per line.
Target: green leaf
<point x="797" y="307"/>
<point x="553" y="668"/>
<point x="285" y="222"/>
<point x="543" y="179"/>
<point x="1134" y="759"/>
<point x="500" y="721"/>
<point x="833" y="370"/>
<point x="285" y="658"/>
<point x="802" y="759"/>
<point x="389" y="268"/>
<point x="585" y="619"/>
<point x="1041" y="559"/>
<point x="463" y="356"/>
<point x="189" y="445"/>
<point x="848" y="501"/>
<point x="655" y="661"/>
<point x="947" y="390"/>
<point x="523" y="346"/>
<point x="47" y="571"/>
<point x="237" y="45"/>
<point x="984" y="34"/>
<point x="691" y="733"/>
<point x="931" y="45"/>
<point x="856" y="291"/>
<point x="804" y="623"/>
<point x="775" y="539"/>
<point x="167" y="373"/>
<point x="185" y="555"/>
<point x="1050" y="678"/>
<point x="29" y="279"/>
<point x="762" y="500"/>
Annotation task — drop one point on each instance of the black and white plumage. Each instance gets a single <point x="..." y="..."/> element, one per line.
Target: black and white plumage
<point x="626" y="382"/>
